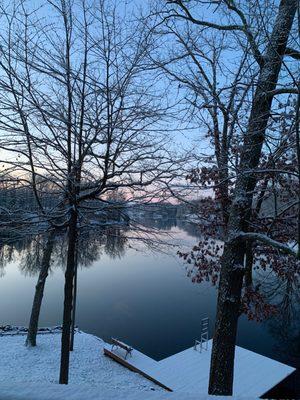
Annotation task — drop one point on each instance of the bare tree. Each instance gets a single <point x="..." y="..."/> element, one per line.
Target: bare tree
<point x="221" y="377"/>
<point x="215" y="96"/>
<point x="81" y="113"/>
<point x="270" y="62"/>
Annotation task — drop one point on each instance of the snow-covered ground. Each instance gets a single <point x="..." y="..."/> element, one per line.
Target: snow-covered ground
<point x="32" y="373"/>
<point x="88" y="365"/>
<point x="53" y="391"/>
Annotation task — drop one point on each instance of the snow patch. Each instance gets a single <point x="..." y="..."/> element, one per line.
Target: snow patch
<point x="88" y="365"/>
<point x="48" y="391"/>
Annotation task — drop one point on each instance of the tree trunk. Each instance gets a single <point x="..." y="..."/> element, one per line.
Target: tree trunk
<point x="249" y="264"/>
<point x="39" y="293"/>
<point x="74" y="301"/>
<point x="232" y="263"/>
<point x="68" y="300"/>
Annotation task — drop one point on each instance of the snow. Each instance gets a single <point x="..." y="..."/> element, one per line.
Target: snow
<point x="250" y="368"/>
<point x="32" y="373"/>
<point x="188" y="371"/>
<point x="50" y="391"/>
<point x="88" y="365"/>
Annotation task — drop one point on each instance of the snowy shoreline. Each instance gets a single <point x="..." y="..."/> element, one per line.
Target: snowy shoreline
<point x="31" y="373"/>
<point x="88" y="366"/>
<point x="11" y="330"/>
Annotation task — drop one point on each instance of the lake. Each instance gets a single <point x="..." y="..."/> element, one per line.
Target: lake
<point x="141" y="294"/>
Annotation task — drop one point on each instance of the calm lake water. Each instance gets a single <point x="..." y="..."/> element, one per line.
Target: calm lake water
<point x="142" y="296"/>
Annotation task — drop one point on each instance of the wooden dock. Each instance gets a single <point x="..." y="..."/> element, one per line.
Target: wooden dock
<point x="188" y="370"/>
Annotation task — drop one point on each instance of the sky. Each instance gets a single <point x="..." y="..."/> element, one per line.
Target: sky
<point x="185" y="134"/>
<point x="182" y="134"/>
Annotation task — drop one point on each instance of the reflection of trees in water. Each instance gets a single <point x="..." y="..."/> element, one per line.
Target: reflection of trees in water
<point x="191" y="229"/>
<point x="31" y="257"/>
<point x="92" y="244"/>
<point x="11" y="250"/>
<point x="115" y="243"/>
<point x="157" y="222"/>
<point x="167" y="223"/>
<point x="6" y="256"/>
<point x="284" y="326"/>
<point x="89" y="245"/>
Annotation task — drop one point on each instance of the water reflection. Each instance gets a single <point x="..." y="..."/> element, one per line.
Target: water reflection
<point x="283" y="292"/>
<point x="92" y="245"/>
<point x="144" y="297"/>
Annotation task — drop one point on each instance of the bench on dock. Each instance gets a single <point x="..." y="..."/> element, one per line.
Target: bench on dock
<point x="117" y="343"/>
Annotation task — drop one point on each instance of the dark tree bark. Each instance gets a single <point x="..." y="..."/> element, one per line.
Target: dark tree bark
<point x="74" y="301"/>
<point x="232" y="263"/>
<point x="68" y="300"/>
<point x="249" y="245"/>
<point x="249" y="264"/>
<point x="39" y="292"/>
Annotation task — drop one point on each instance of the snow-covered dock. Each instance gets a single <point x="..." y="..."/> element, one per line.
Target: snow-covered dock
<point x="188" y="371"/>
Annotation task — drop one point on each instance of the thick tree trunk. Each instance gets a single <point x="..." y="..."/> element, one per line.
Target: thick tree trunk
<point x="224" y="194"/>
<point x="39" y="292"/>
<point x="249" y="245"/>
<point x="249" y="264"/>
<point x="228" y="310"/>
<point x="232" y="264"/>
<point x="68" y="300"/>
<point x="224" y="179"/>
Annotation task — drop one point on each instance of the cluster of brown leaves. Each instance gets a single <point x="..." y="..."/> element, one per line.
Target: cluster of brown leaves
<point x="255" y="305"/>
<point x="205" y="176"/>
<point x="202" y="262"/>
<point x="203" y="265"/>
